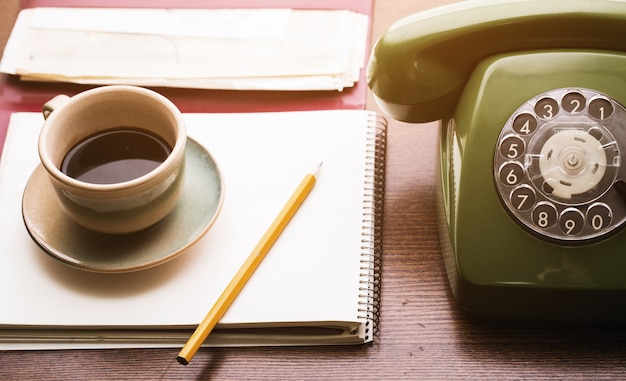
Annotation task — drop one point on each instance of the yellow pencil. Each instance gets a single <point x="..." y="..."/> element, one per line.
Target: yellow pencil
<point x="247" y="269"/>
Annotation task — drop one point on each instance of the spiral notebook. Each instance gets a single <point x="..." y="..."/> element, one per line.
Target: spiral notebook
<point x="318" y="285"/>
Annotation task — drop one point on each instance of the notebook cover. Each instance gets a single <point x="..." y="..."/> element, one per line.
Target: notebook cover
<point x="350" y="187"/>
<point x="16" y="95"/>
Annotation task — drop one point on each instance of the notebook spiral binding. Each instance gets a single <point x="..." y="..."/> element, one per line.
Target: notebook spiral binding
<point x="372" y="236"/>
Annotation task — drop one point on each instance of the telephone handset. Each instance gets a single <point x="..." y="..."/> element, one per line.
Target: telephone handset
<point x="420" y="65"/>
<point x="531" y="96"/>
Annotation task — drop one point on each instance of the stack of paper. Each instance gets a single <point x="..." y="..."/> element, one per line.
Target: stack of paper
<point x="242" y="49"/>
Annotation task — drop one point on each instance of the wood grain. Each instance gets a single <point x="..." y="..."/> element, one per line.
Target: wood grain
<point x="423" y="333"/>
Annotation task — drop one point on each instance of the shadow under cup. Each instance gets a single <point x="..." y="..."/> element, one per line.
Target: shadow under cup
<point x="123" y="207"/>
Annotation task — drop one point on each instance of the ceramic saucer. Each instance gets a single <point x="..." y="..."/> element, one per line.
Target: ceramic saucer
<point x="66" y="241"/>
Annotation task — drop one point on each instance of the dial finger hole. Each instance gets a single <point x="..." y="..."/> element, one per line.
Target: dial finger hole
<point x="544" y="215"/>
<point x="524" y="124"/>
<point x="574" y="102"/>
<point x="512" y="147"/>
<point x="599" y="216"/>
<point x="511" y="173"/>
<point x="523" y="198"/>
<point x="600" y="108"/>
<point x="547" y="108"/>
<point x="571" y="221"/>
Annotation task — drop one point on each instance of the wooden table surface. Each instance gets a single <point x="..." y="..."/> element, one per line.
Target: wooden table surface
<point x="423" y="334"/>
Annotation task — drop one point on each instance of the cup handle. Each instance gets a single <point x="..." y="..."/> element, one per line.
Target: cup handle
<point x="53" y="104"/>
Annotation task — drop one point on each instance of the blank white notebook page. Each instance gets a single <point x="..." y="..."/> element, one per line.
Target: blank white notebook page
<point x="311" y="274"/>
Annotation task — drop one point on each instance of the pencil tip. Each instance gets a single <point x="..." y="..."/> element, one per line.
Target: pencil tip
<point x="182" y="360"/>
<point x="317" y="169"/>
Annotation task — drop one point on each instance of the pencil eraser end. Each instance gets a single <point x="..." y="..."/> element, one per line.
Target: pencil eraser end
<point x="182" y="360"/>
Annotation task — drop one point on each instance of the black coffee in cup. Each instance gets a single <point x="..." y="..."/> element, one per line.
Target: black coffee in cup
<point x="116" y="155"/>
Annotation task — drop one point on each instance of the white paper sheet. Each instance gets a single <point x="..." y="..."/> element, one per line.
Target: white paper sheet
<point x="242" y="24"/>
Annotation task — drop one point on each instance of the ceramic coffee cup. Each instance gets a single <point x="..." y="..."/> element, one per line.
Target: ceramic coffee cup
<point x="115" y="156"/>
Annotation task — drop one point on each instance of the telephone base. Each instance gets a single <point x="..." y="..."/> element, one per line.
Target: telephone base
<point x="497" y="263"/>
